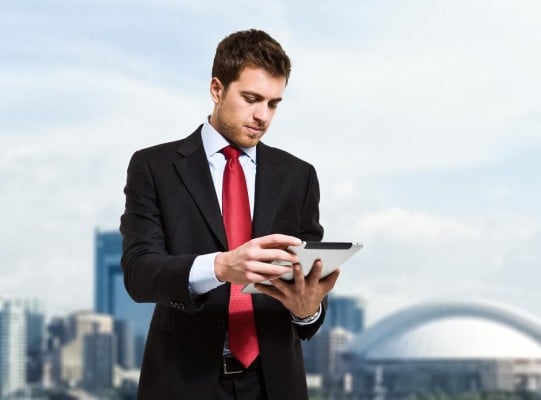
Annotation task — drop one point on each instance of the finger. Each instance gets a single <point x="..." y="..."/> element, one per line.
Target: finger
<point x="298" y="274"/>
<point x="251" y="277"/>
<point x="270" y="291"/>
<point x="282" y="286"/>
<point x="315" y="274"/>
<point x="329" y="281"/>
<point x="277" y="240"/>
<point x="268" y="269"/>
<point x="277" y="255"/>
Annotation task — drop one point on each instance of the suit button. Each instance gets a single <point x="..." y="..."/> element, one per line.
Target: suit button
<point x="176" y="306"/>
<point x="221" y="323"/>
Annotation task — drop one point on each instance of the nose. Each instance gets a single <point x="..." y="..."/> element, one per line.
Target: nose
<point x="261" y="112"/>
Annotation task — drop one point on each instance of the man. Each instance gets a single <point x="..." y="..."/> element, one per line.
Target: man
<point x="206" y="339"/>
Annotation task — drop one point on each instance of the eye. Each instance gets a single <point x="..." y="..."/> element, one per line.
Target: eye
<point x="273" y="104"/>
<point x="250" y="99"/>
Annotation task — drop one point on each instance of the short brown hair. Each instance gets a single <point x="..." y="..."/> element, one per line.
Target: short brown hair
<point x="249" y="48"/>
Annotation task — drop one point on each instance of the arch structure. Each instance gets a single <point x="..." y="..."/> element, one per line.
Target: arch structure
<point x="412" y="317"/>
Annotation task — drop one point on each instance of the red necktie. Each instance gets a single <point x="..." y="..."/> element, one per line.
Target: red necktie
<point x="238" y="226"/>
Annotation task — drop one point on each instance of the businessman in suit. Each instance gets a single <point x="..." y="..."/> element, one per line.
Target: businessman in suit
<point x="182" y="248"/>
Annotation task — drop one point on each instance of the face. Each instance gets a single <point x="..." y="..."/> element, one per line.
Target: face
<point x="243" y="112"/>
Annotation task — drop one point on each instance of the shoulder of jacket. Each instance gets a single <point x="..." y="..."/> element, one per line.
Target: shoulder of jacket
<point x="282" y="156"/>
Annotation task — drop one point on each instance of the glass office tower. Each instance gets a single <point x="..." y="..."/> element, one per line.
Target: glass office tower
<point x="12" y="347"/>
<point x="345" y="312"/>
<point x="111" y="298"/>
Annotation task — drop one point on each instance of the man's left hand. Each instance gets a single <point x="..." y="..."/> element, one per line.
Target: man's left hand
<point x="303" y="296"/>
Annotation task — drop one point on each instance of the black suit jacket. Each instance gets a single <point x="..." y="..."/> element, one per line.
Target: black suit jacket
<point x="172" y="215"/>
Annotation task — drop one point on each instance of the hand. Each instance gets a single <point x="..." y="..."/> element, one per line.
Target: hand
<point x="252" y="261"/>
<point x="303" y="297"/>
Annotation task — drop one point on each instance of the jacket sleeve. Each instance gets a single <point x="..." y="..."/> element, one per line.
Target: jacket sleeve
<point x="150" y="273"/>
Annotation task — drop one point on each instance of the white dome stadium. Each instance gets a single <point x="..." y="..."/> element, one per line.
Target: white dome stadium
<point x="451" y="330"/>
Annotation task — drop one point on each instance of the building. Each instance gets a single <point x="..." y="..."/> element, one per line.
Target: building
<point x="99" y="360"/>
<point x="56" y="337"/>
<point x="12" y="347"/>
<point x="111" y="298"/>
<point x="35" y="340"/>
<point x="125" y="344"/>
<point x="345" y="312"/>
<point x="88" y="356"/>
<point x="324" y="349"/>
<point x="447" y="348"/>
<point x="337" y="339"/>
<point x="56" y="333"/>
<point x="344" y="318"/>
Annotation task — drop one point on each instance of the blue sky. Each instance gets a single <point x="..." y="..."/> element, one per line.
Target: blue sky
<point x="422" y="118"/>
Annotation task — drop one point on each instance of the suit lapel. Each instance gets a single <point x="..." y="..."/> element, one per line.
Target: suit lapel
<point x="267" y="191"/>
<point x="268" y="187"/>
<point x="193" y="169"/>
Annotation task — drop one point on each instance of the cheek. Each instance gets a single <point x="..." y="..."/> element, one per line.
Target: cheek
<point x="233" y="112"/>
<point x="239" y="108"/>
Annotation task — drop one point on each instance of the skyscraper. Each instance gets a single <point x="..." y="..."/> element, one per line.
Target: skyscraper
<point x="12" y="347"/>
<point x="57" y="336"/>
<point x="126" y="344"/>
<point x="344" y="318"/>
<point x="35" y="340"/>
<point x="346" y="312"/>
<point x="111" y="297"/>
<point x="98" y="366"/>
<point x="88" y="357"/>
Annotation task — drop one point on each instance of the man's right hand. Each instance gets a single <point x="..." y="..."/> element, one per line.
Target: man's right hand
<point x="252" y="261"/>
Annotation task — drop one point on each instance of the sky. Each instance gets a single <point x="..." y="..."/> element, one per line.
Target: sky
<point x="422" y="119"/>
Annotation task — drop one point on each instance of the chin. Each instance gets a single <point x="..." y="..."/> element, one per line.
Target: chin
<point x="249" y="141"/>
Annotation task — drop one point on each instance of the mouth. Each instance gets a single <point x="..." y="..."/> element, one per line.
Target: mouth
<point x="255" y="130"/>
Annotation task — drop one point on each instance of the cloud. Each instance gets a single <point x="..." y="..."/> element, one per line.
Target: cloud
<point x="396" y="223"/>
<point x="411" y="257"/>
<point x="421" y="94"/>
<point x="62" y="179"/>
<point x="343" y="189"/>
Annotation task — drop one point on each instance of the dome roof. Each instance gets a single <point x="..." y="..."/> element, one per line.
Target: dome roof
<point x="452" y="330"/>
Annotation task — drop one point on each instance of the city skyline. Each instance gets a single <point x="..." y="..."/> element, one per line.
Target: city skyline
<point x="446" y="348"/>
<point x="432" y="106"/>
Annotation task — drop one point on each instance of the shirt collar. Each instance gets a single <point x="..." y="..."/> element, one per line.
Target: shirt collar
<point x="213" y="142"/>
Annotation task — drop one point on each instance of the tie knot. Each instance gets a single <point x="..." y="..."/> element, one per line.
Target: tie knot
<point x="231" y="152"/>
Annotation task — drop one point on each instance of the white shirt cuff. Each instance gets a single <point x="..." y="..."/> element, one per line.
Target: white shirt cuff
<point x="202" y="277"/>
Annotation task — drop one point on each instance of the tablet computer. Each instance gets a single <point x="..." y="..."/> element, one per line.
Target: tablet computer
<point x="331" y="254"/>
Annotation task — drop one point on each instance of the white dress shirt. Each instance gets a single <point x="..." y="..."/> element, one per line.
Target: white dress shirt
<point x="202" y="277"/>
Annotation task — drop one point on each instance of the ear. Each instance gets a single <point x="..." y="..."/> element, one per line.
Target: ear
<point x="216" y="90"/>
